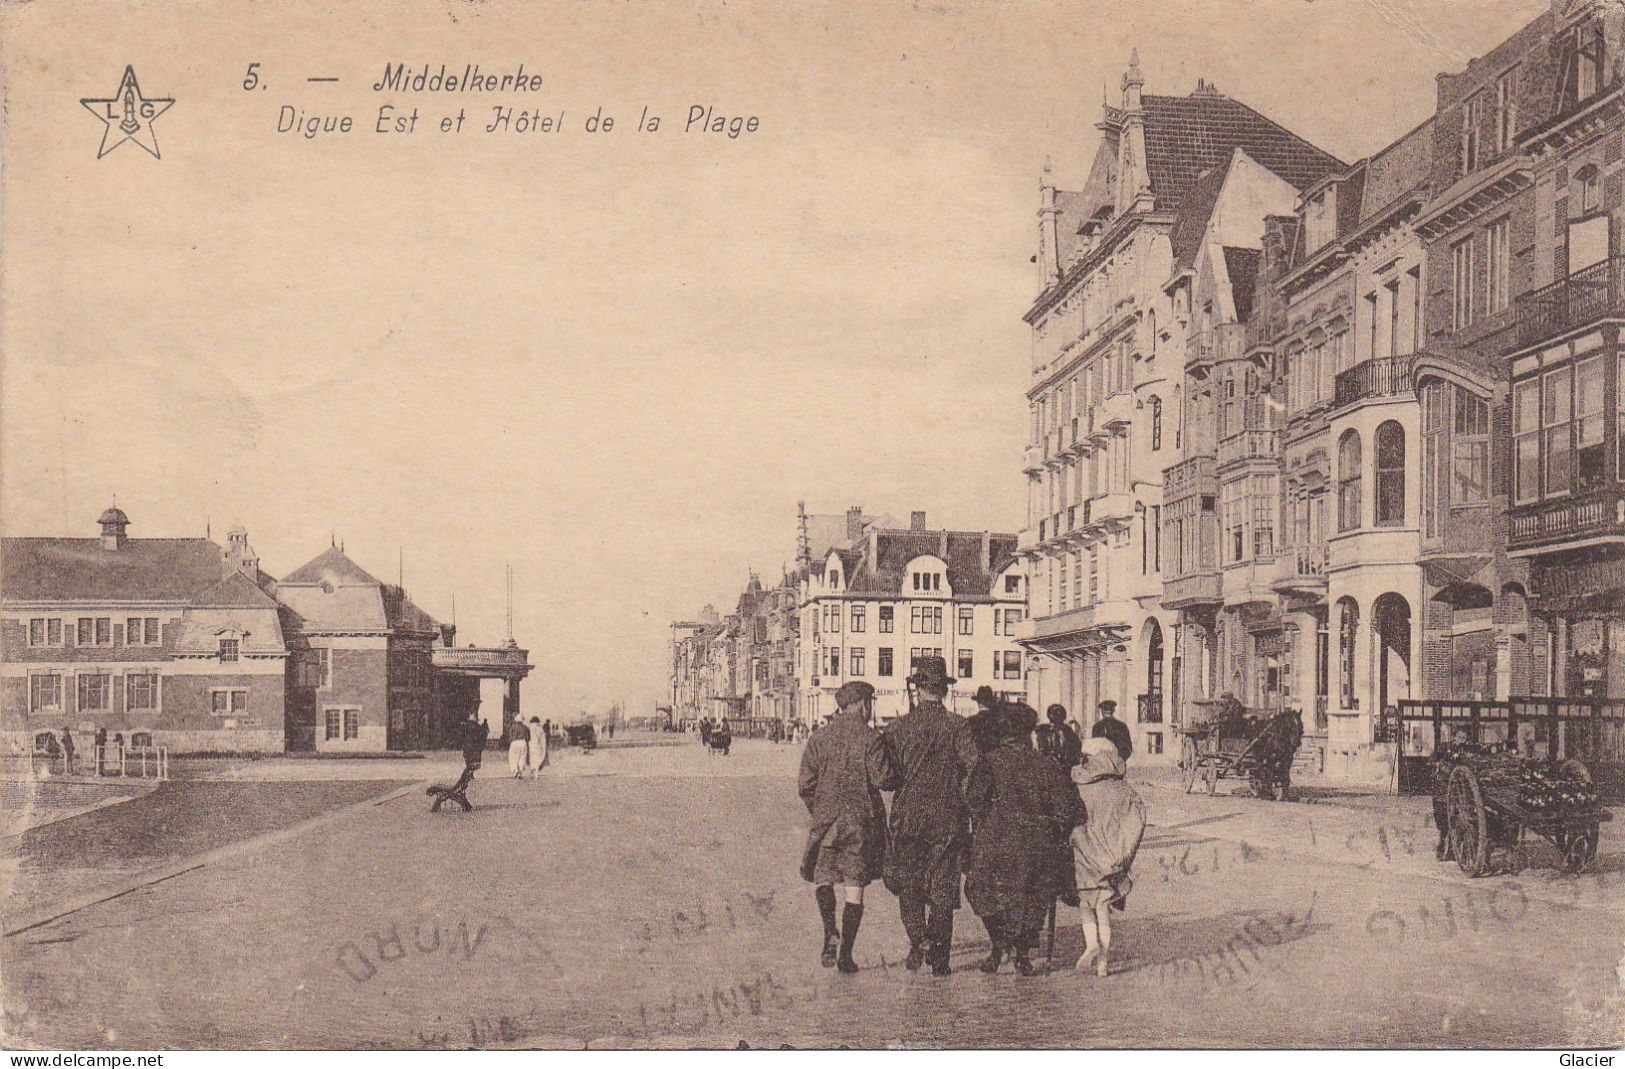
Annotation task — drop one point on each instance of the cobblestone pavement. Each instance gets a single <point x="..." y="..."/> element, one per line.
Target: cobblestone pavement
<point x="648" y="897"/>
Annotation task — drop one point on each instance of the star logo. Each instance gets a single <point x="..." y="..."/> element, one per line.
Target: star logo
<point x="128" y="115"/>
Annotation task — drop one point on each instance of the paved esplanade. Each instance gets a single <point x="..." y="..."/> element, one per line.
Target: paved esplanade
<point x="648" y="896"/>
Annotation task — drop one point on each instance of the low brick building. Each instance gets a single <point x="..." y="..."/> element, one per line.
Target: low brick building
<point x="163" y="641"/>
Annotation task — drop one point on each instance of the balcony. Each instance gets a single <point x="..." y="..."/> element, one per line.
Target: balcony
<point x="1590" y="515"/>
<point x="1250" y="445"/>
<point x="1032" y="460"/>
<point x="1386" y="376"/>
<point x="1226" y="342"/>
<point x="1191" y="591"/>
<point x="1190" y="477"/>
<point x="1589" y="294"/>
<point x="1249" y="582"/>
<point x="1301" y="570"/>
<point x="492" y="661"/>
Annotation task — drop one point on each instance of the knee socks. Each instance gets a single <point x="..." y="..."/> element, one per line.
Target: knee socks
<point x="826" y="909"/>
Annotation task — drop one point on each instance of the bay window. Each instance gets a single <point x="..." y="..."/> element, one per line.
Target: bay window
<point x="1589" y="461"/>
<point x="1389" y="446"/>
<point x="1526" y="440"/>
<point x="1470" y="462"/>
<point x="1556" y="413"/>
<point x="1348" y="481"/>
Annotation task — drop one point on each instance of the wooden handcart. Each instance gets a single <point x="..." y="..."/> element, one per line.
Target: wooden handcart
<point x="1479" y="817"/>
<point x="1260" y="751"/>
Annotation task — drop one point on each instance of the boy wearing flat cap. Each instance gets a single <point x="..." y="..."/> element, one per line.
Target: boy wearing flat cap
<point x="843" y="770"/>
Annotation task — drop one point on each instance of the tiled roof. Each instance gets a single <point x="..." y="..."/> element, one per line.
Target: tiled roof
<point x="967" y="572"/>
<point x="79" y="569"/>
<point x="235" y="591"/>
<point x="402" y="614"/>
<point x="1242" y="265"/>
<point x="331" y="566"/>
<point x="1195" y="210"/>
<point x="1185" y="136"/>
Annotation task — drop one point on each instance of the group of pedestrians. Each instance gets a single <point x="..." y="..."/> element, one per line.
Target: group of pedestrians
<point x="973" y="802"/>
<point x="528" y="746"/>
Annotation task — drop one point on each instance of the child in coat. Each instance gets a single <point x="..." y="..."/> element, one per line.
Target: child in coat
<point x="1104" y="845"/>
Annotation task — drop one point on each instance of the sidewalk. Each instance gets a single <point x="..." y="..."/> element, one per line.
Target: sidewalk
<point x="1382" y="833"/>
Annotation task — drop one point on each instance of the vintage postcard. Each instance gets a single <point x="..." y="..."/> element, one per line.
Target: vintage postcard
<point x="907" y="524"/>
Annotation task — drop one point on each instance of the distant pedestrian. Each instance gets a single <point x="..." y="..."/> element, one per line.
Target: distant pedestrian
<point x="1103" y="847"/>
<point x="842" y="772"/>
<point x="474" y="733"/>
<point x="612" y="729"/>
<point x="1023" y="808"/>
<point x="1057" y="740"/>
<point x="984" y="725"/>
<point x="518" y="748"/>
<point x="99" y="754"/>
<point x="67" y="750"/>
<point x="538" y="748"/>
<point x="1109" y="727"/>
<point x="931" y="753"/>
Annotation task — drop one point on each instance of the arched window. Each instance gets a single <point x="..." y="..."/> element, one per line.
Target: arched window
<point x="1390" y="474"/>
<point x="1348" y="481"/>
<point x="1348" y="625"/>
<point x="1156" y="424"/>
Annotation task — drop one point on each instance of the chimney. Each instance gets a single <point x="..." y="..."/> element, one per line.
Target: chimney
<point x="448" y="635"/>
<point x="916" y="521"/>
<point x="987" y="551"/>
<point x="239" y="557"/>
<point x="113" y="523"/>
<point x="803" y="540"/>
<point x="854" y="523"/>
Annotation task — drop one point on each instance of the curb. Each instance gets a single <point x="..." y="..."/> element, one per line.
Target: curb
<point x="39" y="918"/>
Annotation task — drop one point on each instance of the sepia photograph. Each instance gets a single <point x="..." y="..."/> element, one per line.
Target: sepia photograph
<point x="895" y="525"/>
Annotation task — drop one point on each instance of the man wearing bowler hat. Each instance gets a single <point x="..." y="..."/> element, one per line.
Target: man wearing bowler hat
<point x="843" y="770"/>
<point x="932" y="754"/>
<point x="985" y="726"/>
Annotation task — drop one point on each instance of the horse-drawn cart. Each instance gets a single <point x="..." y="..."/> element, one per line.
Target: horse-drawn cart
<point x="1234" y="745"/>
<point x="1483" y="803"/>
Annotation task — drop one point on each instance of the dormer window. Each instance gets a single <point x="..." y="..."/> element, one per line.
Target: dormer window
<point x="1583" y="64"/>
<point x="927" y="582"/>
<point x="228" y="649"/>
<point x="834" y="579"/>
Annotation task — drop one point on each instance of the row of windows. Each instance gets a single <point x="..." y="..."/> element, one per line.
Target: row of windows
<point x="1496" y="262"/>
<point x="1389" y="477"/>
<point x="1006" y="663"/>
<point x="1110" y="373"/>
<point x="923" y="619"/>
<point x="1558" y="426"/>
<point x="92" y="631"/>
<point x="93" y="691"/>
<point x="341" y="725"/>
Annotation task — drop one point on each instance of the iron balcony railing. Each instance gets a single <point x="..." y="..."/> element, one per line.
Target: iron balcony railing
<point x="1588" y="294"/>
<point x="1386" y="376"/>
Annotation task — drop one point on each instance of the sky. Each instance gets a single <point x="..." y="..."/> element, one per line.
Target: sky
<point x="615" y="361"/>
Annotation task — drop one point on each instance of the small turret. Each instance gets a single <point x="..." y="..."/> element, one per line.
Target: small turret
<point x="113" y="523"/>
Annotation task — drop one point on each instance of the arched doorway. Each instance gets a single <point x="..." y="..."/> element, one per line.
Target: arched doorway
<point x="1391" y="648"/>
<point x="1151" y="704"/>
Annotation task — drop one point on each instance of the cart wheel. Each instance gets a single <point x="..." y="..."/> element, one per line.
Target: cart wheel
<point x="1580" y="847"/>
<point x="1187" y="763"/>
<point x="1210" y="777"/>
<point x="1469" y="827"/>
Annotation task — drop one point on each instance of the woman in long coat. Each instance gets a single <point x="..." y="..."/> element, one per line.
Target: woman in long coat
<point x="1022" y="807"/>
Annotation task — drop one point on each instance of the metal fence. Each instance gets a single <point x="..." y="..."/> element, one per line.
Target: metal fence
<point x="1590" y="730"/>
